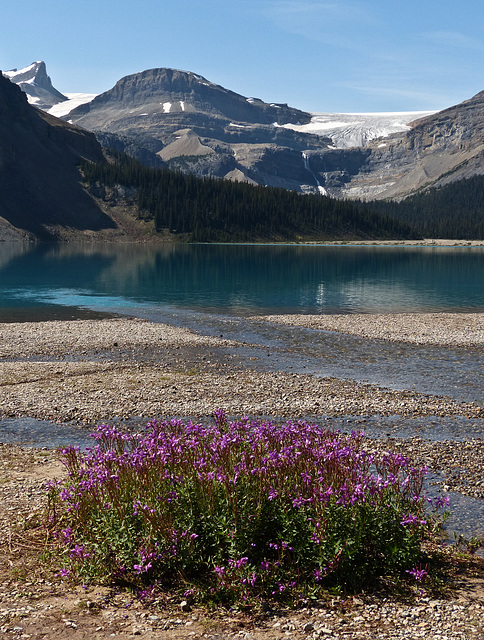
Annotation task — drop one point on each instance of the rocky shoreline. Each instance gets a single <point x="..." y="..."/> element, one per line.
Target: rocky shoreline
<point x="88" y="371"/>
<point x="443" y="329"/>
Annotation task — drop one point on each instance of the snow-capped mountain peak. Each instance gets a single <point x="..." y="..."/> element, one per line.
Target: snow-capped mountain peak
<point x="27" y="74"/>
<point x="35" y="82"/>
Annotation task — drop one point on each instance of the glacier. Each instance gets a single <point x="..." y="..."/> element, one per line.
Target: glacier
<point x="358" y="129"/>
<point x="73" y="100"/>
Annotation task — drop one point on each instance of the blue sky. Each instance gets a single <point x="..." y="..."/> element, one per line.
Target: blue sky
<point x="328" y="56"/>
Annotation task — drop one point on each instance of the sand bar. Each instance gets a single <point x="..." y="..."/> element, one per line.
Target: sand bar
<point x="444" y="329"/>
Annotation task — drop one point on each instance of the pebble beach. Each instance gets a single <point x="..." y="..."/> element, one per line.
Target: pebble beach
<point x="89" y="371"/>
<point x="443" y="329"/>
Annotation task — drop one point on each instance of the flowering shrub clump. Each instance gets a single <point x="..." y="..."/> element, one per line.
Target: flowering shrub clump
<point x="237" y="510"/>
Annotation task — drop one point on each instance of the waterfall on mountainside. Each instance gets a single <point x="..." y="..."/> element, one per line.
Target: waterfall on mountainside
<point x="321" y="189"/>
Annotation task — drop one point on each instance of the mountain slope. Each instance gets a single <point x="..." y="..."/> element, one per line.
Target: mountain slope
<point x="209" y="210"/>
<point x="202" y="128"/>
<point x="437" y="150"/>
<point x="40" y="184"/>
<point x="167" y="117"/>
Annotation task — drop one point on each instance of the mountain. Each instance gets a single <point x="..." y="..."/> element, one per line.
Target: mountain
<point x="199" y="127"/>
<point x="344" y="129"/>
<point x="40" y="183"/>
<point x="56" y="183"/>
<point x="195" y="125"/>
<point x="34" y="81"/>
<point x="168" y="117"/>
<point x="436" y="150"/>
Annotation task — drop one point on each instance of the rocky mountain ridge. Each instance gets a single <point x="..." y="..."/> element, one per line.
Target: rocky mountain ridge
<point x="194" y="125"/>
<point x="179" y="91"/>
<point x="438" y="149"/>
<point x="182" y="120"/>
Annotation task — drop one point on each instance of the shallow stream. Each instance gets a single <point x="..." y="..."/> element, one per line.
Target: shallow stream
<point x="457" y="372"/>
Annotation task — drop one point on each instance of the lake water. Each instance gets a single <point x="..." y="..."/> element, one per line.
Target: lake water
<point x="36" y="281"/>
<point x="214" y="289"/>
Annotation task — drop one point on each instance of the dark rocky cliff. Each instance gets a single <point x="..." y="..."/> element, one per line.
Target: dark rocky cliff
<point x="40" y="185"/>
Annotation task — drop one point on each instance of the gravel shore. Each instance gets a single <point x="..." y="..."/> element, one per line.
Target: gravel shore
<point x="89" y="371"/>
<point x="444" y="329"/>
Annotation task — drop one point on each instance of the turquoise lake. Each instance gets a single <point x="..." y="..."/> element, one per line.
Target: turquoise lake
<point x="38" y="282"/>
<point x="214" y="289"/>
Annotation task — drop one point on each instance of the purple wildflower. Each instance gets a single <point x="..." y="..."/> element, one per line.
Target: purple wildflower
<point x="410" y="519"/>
<point x="418" y="574"/>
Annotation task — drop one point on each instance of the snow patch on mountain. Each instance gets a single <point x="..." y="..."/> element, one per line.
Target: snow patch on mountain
<point x="358" y="129"/>
<point x="27" y="74"/>
<point x="73" y="100"/>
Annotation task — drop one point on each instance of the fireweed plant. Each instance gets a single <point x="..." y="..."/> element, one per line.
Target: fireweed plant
<point x="238" y="510"/>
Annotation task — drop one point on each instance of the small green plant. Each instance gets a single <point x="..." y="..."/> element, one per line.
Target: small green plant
<point x="468" y="545"/>
<point x="238" y="510"/>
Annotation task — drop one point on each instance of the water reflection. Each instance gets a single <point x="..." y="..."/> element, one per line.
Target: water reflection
<point x="246" y="279"/>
